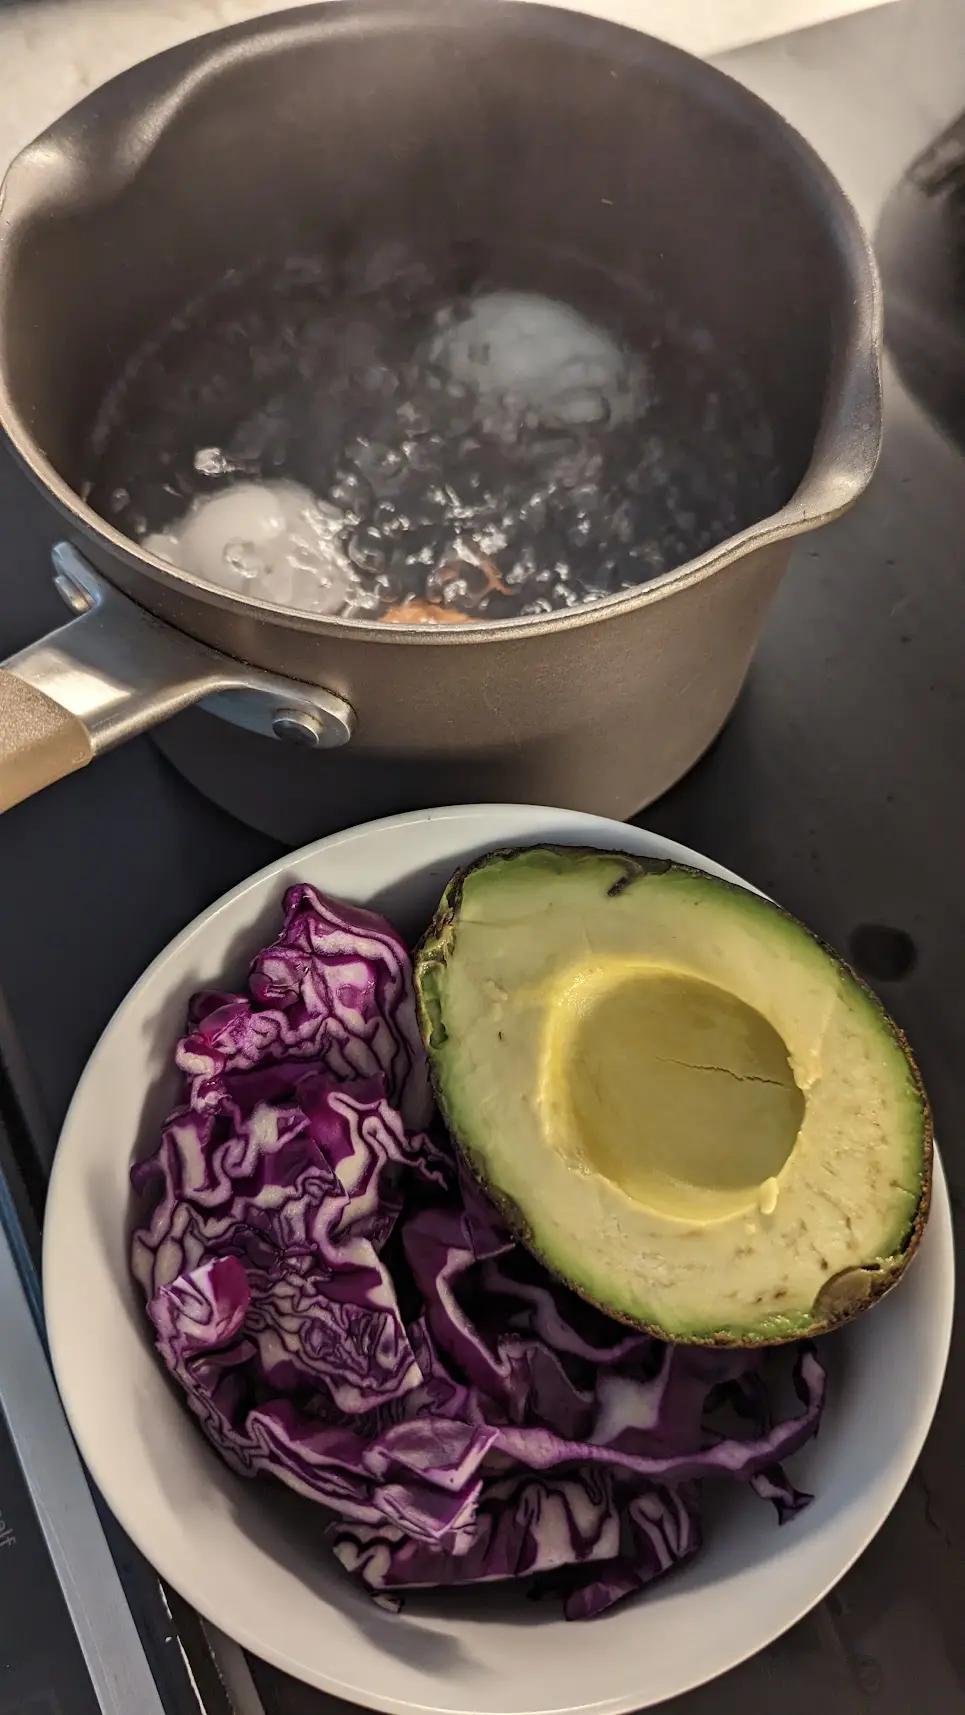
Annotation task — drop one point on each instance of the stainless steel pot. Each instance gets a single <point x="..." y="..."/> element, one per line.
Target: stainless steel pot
<point x="544" y="134"/>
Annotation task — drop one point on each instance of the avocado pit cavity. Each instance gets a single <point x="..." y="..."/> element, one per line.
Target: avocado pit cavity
<point x="675" y="1090"/>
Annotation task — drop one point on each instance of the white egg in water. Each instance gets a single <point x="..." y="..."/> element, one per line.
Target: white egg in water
<point x="539" y="358"/>
<point x="271" y="540"/>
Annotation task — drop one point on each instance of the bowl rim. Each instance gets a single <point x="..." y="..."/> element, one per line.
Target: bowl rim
<point x="608" y="837"/>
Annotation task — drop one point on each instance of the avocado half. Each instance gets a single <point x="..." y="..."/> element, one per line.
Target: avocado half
<point x="688" y="1108"/>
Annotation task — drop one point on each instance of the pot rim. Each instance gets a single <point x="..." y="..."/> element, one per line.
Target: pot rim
<point x="848" y="437"/>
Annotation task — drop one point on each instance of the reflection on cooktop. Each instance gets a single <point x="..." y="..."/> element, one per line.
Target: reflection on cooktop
<point x="920" y="243"/>
<point x="41" y="1668"/>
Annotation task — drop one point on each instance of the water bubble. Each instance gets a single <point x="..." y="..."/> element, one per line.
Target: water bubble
<point x="533" y="513"/>
<point x="426" y="555"/>
<point x="359" y="451"/>
<point x="413" y="420"/>
<point x="455" y="593"/>
<point x="323" y="518"/>
<point x="351" y="494"/>
<point x="524" y="569"/>
<point x="492" y="540"/>
<point x="623" y="522"/>
<point x="389" y="521"/>
<point x="386" y="463"/>
<point x="366" y="551"/>
<point x="387" y="587"/>
<point x="211" y="461"/>
<point x="581" y="530"/>
<point x="424" y="454"/>
<point x="361" y="604"/>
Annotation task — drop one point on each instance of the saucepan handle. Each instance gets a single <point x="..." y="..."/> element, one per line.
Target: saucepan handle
<point x="114" y="671"/>
<point x="40" y="740"/>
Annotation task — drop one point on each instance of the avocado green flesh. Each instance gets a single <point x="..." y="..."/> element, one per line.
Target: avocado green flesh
<point x="694" y="1113"/>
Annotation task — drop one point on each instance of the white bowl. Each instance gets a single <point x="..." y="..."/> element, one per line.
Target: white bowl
<point x="248" y="1556"/>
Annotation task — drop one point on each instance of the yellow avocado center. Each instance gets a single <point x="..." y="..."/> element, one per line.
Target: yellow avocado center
<point x="673" y="1089"/>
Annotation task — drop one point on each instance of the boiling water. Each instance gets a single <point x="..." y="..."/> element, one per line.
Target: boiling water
<point x="390" y="447"/>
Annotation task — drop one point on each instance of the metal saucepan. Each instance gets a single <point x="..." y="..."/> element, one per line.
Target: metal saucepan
<point x="548" y="138"/>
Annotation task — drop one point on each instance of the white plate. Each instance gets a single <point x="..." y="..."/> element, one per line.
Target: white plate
<point x="247" y="1556"/>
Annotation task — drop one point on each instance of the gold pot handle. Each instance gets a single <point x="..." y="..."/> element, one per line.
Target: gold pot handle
<point x="40" y="741"/>
<point x="114" y="671"/>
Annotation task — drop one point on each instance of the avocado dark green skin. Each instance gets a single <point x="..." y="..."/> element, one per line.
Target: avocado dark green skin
<point x="842" y="1297"/>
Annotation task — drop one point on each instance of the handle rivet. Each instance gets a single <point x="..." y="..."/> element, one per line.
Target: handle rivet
<point x="71" y="592"/>
<point x="297" y="726"/>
